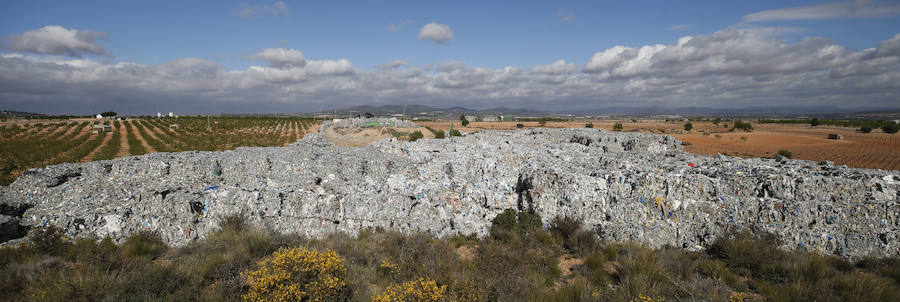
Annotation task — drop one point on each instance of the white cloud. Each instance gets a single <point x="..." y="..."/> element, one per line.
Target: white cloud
<point x="727" y="69"/>
<point x="393" y="64"/>
<point x="838" y="10"/>
<point x="565" y="16"/>
<point x="398" y="26"/>
<point x="738" y="52"/>
<point x="558" y="67"/>
<point x="280" y="57"/>
<point x="58" y="40"/>
<point x="439" y="33"/>
<point x="275" y="9"/>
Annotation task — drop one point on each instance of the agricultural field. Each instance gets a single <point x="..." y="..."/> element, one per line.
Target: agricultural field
<point x="26" y="145"/>
<point x="875" y="150"/>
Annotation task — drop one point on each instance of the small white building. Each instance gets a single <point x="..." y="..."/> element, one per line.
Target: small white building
<point x="158" y="114"/>
<point x="171" y="114"/>
<point x="99" y="116"/>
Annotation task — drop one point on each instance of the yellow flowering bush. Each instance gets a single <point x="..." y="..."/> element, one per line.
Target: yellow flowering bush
<point x="421" y="290"/>
<point x="642" y="298"/>
<point x="738" y="297"/>
<point x="298" y="274"/>
<point x="388" y="268"/>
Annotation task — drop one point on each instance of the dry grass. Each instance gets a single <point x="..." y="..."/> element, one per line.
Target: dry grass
<point x="520" y="261"/>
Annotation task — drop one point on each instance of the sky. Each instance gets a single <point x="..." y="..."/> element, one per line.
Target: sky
<point x="82" y="57"/>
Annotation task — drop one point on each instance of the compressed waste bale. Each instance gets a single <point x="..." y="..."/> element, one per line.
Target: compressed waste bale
<point x="625" y="186"/>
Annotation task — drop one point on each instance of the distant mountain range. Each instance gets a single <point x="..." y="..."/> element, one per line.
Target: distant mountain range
<point x="424" y="111"/>
<point x="418" y="110"/>
<point x="18" y="113"/>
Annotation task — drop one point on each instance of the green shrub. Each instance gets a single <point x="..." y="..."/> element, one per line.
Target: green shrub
<point x="455" y="132"/>
<point x="785" y="153"/>
<point x="865" y="129"/>
<point x="865" y="287"/>
<point x="574" y="239"/>
<point x="144" y="244"/>
<point x="47" y="241"/>
<point x="748" y="253"/>
<point x="814" y="122"/>
<point x="688" y="126"/>
<point x="439" y="134"/>
<point x="890" y="128"/>
<point x="415" y="135"/>
<point x="520" y="126"/>
<point x="740" y="125"/>
<point x="589" y="125"/>
<point x="513" y="226"/>
<point x="640" y="273"/>
<point x="618" y="127"/>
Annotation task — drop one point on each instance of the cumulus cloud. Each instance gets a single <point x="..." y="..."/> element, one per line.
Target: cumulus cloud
<point x="280" y="57"/>
<point x="838" y="10"/>
<point x="275" y="9"/>
<point x="558" y="67"/>
<point x="439" y="33"/>
<point x="58" y="40"/>
<point x="733" y="52"/>
<point x="727" y="69"/>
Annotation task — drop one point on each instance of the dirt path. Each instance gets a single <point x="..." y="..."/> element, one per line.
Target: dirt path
<point x="90" y="156"/>
<point x="155" y="129"/>
<point x="298" y="131"/>
<point x="153" y="135"/>
<point x="158" y="131"/>
<point x="134" y="131"/>
<point x="61" y="129"/>
<point x="24" y="134"/>
<point x="84" y="131"/>
<point x="123" y="149"/>
<point x="45" y="131"/>
<point x="70" y="129"/>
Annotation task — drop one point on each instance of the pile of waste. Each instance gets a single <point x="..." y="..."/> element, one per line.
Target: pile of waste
<point x="373" y="122"/>
<point x="625" y="186"/>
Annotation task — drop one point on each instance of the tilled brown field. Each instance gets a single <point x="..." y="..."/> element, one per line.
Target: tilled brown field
<point x="30" y="144"/>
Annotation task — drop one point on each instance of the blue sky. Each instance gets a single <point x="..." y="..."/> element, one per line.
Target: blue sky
<point x="491" y="35"/>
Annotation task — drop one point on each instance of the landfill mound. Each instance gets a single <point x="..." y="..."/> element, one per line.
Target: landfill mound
<point x="625" y="186"/>
<point x="363" y="132"/>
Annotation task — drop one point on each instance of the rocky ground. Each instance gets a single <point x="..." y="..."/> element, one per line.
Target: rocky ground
<point x="626" y="186"/>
